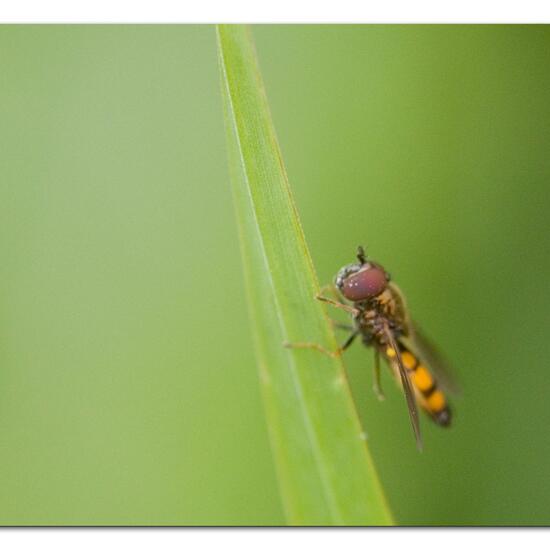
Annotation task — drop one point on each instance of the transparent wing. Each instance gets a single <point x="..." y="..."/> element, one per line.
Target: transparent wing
<point x="407" y="388"/>
<point x="421" y="346"/>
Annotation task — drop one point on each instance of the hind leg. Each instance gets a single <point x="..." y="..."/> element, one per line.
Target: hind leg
<point x="376" y="386"/>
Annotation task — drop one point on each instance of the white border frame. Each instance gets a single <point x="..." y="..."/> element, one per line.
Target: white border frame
<point x="276" y="11"/>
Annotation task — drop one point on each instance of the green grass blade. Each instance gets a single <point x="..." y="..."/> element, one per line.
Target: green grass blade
<point x="325" y="471"/>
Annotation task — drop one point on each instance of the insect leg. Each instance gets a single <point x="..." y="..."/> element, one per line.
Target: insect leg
<point x="376" y="384"/>
<point x="332" y="289"/>
<point x="334" y="292"/>
<point x="348" y="342"/>
<point x="345" y="307"/>
<point x="342" y="326"/>
<point x="318" y="347"/>
<point x="312" y="345"/>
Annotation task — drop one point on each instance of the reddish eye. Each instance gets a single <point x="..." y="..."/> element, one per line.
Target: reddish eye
<point x="364" y="284"/>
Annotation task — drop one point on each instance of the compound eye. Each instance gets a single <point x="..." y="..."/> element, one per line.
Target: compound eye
<point x="365" y="284"/>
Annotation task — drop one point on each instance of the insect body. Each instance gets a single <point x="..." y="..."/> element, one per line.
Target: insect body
<point x="380" y="318"/>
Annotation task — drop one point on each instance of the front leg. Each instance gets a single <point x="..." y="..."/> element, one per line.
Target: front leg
<point x="318" y="347"/>
<point x="339" y="305"/>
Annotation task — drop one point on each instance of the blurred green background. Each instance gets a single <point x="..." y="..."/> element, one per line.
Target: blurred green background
<point x="128" y="386"/>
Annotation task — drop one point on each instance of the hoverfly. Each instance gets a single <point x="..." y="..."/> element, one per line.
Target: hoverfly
<point x="380" y="317"/>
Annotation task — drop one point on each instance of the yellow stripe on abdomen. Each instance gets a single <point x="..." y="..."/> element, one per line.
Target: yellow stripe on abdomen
<point x="422" y="379"/>
<point x="429" y="397"/>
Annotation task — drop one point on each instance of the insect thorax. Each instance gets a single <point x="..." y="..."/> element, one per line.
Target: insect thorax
<point x="376" y="313"/>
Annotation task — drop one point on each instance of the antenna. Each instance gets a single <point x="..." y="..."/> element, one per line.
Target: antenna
<point x="361" y="255"/>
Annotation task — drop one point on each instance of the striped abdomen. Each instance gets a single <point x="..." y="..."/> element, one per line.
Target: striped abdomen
<point x="429" y="397"/>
